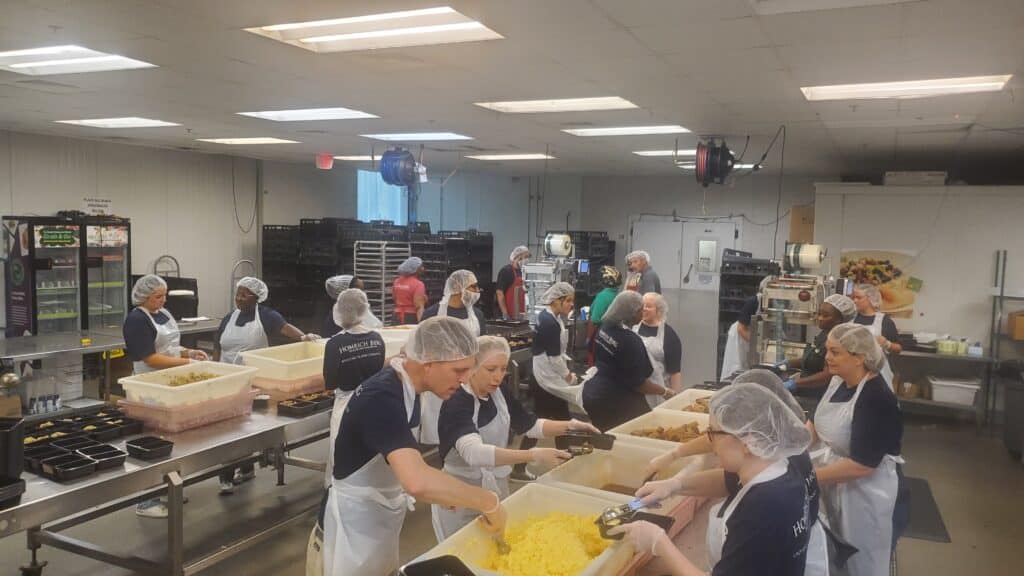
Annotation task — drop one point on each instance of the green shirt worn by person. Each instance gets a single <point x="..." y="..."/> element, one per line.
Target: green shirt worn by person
<point x="601" y="303"/>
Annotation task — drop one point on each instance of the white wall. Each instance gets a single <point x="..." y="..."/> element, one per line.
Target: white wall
<point x="295" y="191"/>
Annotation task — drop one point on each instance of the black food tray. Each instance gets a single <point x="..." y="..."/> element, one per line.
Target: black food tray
<point x="72" y="444"/>
<point x="36" y="454"/>
<point x="11" y="490"/>
<point x="106" y="456"/>
<point x="325" y="403"/>
<point x="149" y="448"/>
<point x="298" y="408"/>
<point x="129" y="427"/>
<point x="104" y="432"/>
<point x="67" y="467"/>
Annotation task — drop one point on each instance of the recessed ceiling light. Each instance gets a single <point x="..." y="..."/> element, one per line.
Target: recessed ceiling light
<point x="68" y="59"/>
<point x="423" y="27"/>
<point x="693" y="165"/>
<point x="244" y="141"/>
<point x="357" y="158"/>
<point x="126" y="122"/>
<point x="511" y="157"/>
<point x="309" y="114"/>
<point x="559" y="105"/>
<point x="417" y="136"/>
<point x="627" y="130"/>
<point x="908" y="89"/>
<point x="688" y="152"/>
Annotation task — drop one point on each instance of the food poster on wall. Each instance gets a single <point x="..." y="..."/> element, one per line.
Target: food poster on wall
<point x="891" y="271"/>
<point x="19" y="286"/>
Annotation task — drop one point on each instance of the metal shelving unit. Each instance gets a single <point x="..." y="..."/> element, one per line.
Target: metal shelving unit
<point x="376" y="264"/>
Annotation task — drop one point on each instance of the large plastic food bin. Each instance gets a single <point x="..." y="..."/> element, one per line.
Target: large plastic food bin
<point x="287" y="362"/>
<point x="653" y="419"/>
<point x="394" y="338"/>
<point x="950" y="391"/>
<point x="183" y="417"/>
<point x="684" y="399"/>
<point x="152" y="387"/>
<point x="469" y="543"/>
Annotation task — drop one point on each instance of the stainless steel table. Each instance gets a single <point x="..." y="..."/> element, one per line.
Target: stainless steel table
<point x="198" y="454"/>
<point x="200" y="327"/>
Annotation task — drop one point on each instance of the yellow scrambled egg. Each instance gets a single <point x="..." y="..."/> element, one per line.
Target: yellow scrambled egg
<point x="556" y="544"/>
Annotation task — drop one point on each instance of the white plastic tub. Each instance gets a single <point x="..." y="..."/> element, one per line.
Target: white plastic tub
<point x="653" y="419"/>
<point x="152" y="387"/>
<point x="395" y="337"/>
<point x="684" y="399"/>
<point x="960" y="392"/>
<point x="470" y="542"/>
<point x="288" y="362"/>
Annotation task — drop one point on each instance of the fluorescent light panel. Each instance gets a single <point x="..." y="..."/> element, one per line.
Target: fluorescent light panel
<point x="693" y="166"/>
<point x="627" y="130"/>
<point x="908" y="89"/>
<point x="65" y="59"/>
<point x="417" y="136"/>
<point x="498" y="157"/>
<point x="559" y="105"/>
<point x="366" y="158"/>
<point x="423" y="27"/>
<point x="126" y="122"/>
<point x="656" y="153"/>
<point x="308" y="114"/>
<point x="246" y="141"/>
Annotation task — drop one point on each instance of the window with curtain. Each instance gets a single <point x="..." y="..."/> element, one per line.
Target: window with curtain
<point x="377" y="200"/>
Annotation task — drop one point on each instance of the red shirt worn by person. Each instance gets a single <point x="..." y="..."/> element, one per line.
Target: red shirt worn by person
<point x="405" y="290"/>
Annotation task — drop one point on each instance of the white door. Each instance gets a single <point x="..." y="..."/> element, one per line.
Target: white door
<point x="663" y="241"/>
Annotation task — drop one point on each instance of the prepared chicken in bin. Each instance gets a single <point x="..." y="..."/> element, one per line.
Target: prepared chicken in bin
<point x="683" y="433"/>
<point x="190" y="378"/>
<point x="699" y="405"/>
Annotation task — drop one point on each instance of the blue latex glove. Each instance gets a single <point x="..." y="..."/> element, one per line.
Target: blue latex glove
<point x="790" y="385"/>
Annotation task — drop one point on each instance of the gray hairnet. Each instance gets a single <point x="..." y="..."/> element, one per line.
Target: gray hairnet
<point x="518" y="252"/>
<point x="350" y="308"/>
<point x="639" y="254"/>
<point x="256" y="286"/>
<point x="858" y="340"/>
<point x="844" y="305"/>
<point x="556" y="291"/>
<point x="458" y="281"/>
<point x="660" y="304"/>
<point x="491" y="346"/>
<point x="440" y="339"/>
<point x="336" y="284"/>
<point x="624" y="309"/>
<point x="410" y="266"/>
<point x="873" y="295"/>
<point x="759" y="419"/>
<point x="145" y="286"/>
<point x="771" y="381"/>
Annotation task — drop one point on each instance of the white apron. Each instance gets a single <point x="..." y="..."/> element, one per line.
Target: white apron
<point x="859" y="511"/>
<point x="495" y="433"/>
<point x="736" y="351"/>
<point x="167" y="342"/>
<point x="546" y="370"/>
<point x="655" y="346"/>
<point x="365" y="512"/>
<point x="237" y="339"/>
<point x="876" y="330"/>
<point x="430" y="404"/>
<point x="341" y="398"/>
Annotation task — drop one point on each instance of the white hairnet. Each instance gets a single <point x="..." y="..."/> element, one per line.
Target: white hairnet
<point x="847" y="309"/>
<point x="858" y="340"/>
<point x="491" y="346"/>
<point x="556" y="291"/>
<point x="872" y="294"/>
<point x="771" y="381"/>
<point x="458" y="281"/>
<point x="336" y="284"/>
<point x="639" y="254"/>
<point x="256" y="286"/>
<point x="660" y="304"/>
<point x="518" y="252"/>
<point x="440" y="339"/>
<point x="759" y="419"/>
<point x="410" y="266"/>
<point x="624" y="309"/>
<point x="145" y="286"/>
<point x="350" y="308"/>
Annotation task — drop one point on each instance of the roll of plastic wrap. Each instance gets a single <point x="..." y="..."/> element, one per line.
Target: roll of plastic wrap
<point x="805" y="256"/>
<point x="557" y="245"/>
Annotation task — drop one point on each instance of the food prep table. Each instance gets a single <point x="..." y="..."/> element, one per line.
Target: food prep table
<point x="47" y="508"/>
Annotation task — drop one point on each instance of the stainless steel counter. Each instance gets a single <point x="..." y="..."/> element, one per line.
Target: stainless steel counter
<point x="200" y="327"/>
<point x="26" y="348"/>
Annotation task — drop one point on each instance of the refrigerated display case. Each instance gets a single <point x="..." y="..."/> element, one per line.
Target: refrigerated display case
<point x="107" y="271"/>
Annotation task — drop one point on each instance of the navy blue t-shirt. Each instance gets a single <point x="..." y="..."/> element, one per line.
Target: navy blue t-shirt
<point x="349" y="359"/>
<point x="456" y="418"/>
<point x="329" y="328"/>
<point x="139" y="333"/>
<point x="547" y="338"/>
<point x="889" y="331"/>
<point x="750" y="306"/>
<point x="621" y="359"/>
<point x="375" y="422"/>
<point x="673" y="347"/>
<point x="769" y="529"/>
<point x="271" y="319"/>
<point x="459" y="313"/>
<point x="877" y="422"/>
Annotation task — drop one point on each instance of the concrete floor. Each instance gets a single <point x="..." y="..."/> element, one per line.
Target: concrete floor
<point x="979" y="489"/>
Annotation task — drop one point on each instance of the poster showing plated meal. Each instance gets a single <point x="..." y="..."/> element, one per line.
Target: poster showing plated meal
<point x="890" y="271"/>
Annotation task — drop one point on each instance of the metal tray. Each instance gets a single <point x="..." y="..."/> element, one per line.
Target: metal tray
<point x="149" y="448"/>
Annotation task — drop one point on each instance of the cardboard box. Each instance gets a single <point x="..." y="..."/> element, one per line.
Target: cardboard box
<point x="10" y="406"/>
<point x="801" y="224"/>
<point x="1015" y="325"/>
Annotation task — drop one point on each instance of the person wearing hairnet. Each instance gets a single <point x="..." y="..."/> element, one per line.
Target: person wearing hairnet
<point x="378" y="468"/>
<point x="335" y="285"/>
<point x="616" y="392"/>
<point x="814" y="374"/>
<point x="153" y="342"/>
<point x="554" y="385"/>
<point x="461" y="293"/>
<point x="509" y="286"/>
<point x="249" y="327"/>
<point x="718" y="483"/>
<point x="763" y="525"/>
<point x="664" y="348"/>
<point x="474" y="428"/>
<point x="860" y="424"/>
<point x="409" y="292"/>
<point x="868" y="301"/>
<point x="611" y="279"/>
<point x="643" y="278"/>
